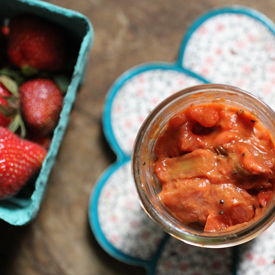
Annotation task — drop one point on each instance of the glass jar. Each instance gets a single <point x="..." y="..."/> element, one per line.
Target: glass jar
<point x="143" y="164"/>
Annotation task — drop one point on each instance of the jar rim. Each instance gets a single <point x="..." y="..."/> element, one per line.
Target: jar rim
<point x="165" y="220"/>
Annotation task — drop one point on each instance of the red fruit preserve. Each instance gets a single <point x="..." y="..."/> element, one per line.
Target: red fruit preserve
<point x="215" y="164"/>
<point x="204" y="165"/>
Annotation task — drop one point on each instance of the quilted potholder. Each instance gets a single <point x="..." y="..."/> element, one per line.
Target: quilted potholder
<point x="232" y="45"/>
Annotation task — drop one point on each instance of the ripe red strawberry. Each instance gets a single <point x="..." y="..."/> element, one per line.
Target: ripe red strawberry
<point x="41" y="104"/>
<point x="43" y="141"/>
<point x="37" y="43"/>
<point x="20" y="159"/>
<point x="4" y="120"/>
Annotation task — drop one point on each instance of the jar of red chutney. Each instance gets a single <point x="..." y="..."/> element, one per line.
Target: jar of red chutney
<point x="204" y="165"/>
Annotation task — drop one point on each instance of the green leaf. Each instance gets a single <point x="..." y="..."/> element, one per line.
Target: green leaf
<point x="29" y="71"/>
<point x="17" y="123"/>
<point x="7" y="111"/>
<point x="13" y="74"/>
<point x="62" y="81"/>
<point x="10" y="84"/>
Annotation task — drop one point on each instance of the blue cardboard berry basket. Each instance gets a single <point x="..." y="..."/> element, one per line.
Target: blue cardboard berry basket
<point x="24" y="207"/>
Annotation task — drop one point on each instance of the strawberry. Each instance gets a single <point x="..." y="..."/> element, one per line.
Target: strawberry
<point x="20" y="160"/>
<point x="36" y="43"/>
<point x="43" y="141"/>
<point x="41" y="104"/>
<point x="4" y="119"/>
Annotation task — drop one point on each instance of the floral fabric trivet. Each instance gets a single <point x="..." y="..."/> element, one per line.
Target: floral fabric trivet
<point x="232" y="45"/>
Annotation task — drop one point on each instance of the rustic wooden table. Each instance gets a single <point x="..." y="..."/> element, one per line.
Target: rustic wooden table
<point x="59" y="241"/>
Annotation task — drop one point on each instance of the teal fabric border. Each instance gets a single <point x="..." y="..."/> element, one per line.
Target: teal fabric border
<point x="106" y="118"/>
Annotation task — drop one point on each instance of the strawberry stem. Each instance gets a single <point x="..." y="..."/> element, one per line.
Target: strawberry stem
<point x="10" y="84"/>
<point x="7" y="111"/>
<point x="12" y="74"/>
<point x="29" y="71"/>
<point x="17" y="123"/>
